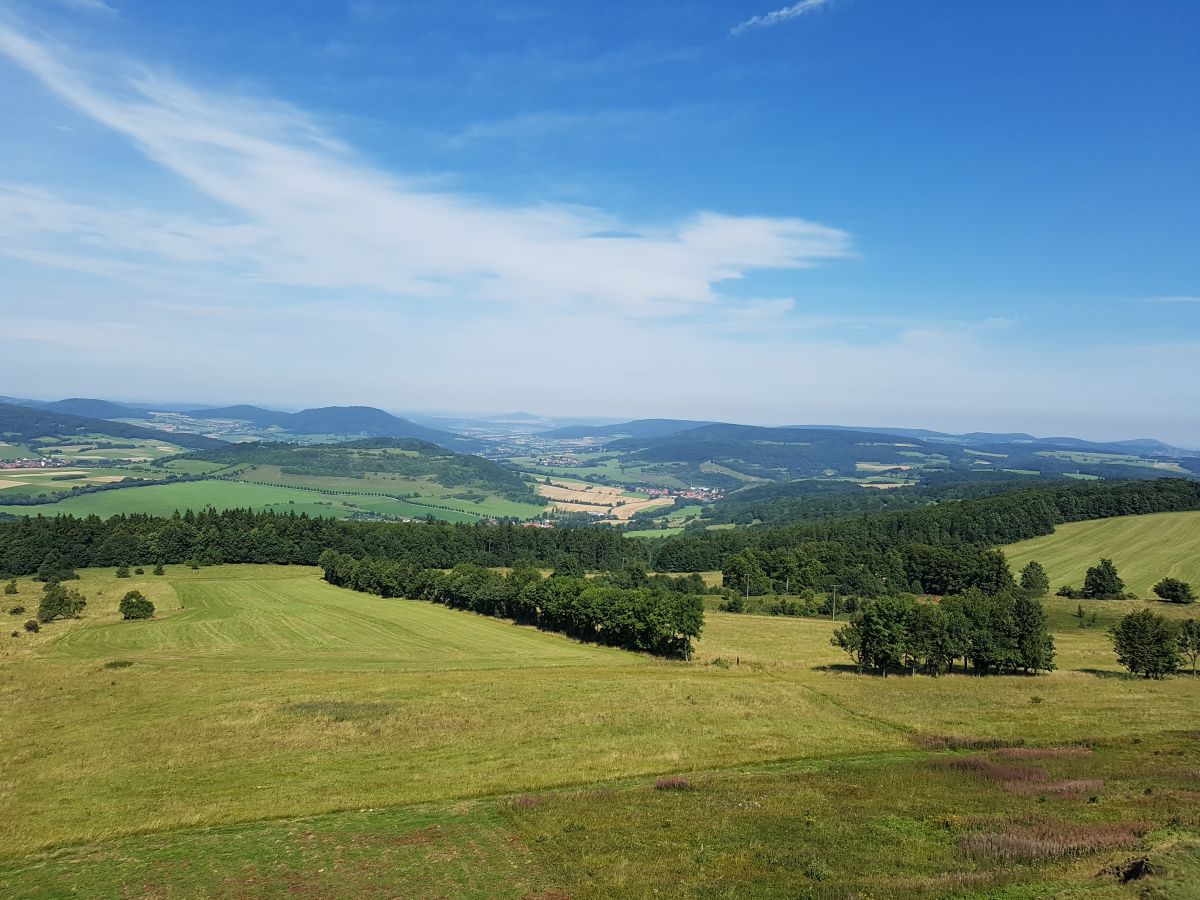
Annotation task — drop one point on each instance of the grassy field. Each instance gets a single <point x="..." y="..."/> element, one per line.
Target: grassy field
<point x="1143" y="548"/>
<point x="267" y="733"/>
<point x="162" y="500"/>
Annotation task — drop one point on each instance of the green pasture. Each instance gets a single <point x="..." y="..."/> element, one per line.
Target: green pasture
<point x="16" y="451"/>
<point x="1144" y="549"/>
<point x="266" y="733"/>
<point x="163" y="500"/>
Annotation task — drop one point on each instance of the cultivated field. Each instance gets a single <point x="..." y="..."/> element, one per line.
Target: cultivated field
<point x="267" y="732"/>
<point x="1144" y="549"/>
<point x="612" y="504"/>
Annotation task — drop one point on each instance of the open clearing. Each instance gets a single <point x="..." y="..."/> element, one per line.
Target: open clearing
<point x="1144" y="549"/>
<point x="271" y="732"/>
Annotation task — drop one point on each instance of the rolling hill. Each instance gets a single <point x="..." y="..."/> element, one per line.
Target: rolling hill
<point x="1144" y="549"/>
<point x="20" y="424"/>
<point x="734" y="456"/>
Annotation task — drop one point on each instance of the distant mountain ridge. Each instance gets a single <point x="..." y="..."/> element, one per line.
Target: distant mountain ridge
<point x="366" y="421"/>
<point x="638" y="428"/>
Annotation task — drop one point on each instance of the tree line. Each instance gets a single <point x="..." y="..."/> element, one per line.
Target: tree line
<point x="993" y="634"/>
<point x="210" y="537"/>
<point x="642" y="619"/>
<point x="941" y="548"/>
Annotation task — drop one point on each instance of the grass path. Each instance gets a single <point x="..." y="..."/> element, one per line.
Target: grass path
<point x="1143" y="548"/>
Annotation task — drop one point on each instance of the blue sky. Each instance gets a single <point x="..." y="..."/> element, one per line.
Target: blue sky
<point x="953" y="215"/>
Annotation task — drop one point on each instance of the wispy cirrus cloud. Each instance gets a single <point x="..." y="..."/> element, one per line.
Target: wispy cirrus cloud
<point x="89" y="5"/>
<point x="1173" y="298"/>
<point x="303" y="209"/>
<point x="779" y="16"/>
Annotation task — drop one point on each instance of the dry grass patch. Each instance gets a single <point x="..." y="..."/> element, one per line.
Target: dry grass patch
<point x="1053" y="840"/>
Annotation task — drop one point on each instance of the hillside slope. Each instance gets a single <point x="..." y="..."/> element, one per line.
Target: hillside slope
<point x="1144" y="549"/>
<point x="24" y="423"/>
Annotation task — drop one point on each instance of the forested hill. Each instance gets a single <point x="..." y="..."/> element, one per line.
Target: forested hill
<point x="342" y="420"/>
<point x="984" y="522"/>
<point x="730" y="456"/>
<point x="371" y="456"/>
<point x="796" y="502"/>
<point x="20" y="424"/>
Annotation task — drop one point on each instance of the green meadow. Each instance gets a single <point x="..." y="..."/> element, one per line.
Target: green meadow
<point x="267" y="733"/>
<point x="163" y="500"/>
<point x="1144" y="549"/>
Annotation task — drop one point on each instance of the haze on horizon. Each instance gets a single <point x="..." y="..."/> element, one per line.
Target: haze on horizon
<point x="960" y="217"/>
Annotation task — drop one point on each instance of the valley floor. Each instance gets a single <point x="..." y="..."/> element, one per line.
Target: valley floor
<point x="269" y="734"/>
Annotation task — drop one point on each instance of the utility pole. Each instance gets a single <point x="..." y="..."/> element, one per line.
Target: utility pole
<point x="833" y="617"/>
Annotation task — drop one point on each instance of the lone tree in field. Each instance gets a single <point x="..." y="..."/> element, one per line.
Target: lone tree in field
<point x="1175" y="591"/>
<point x="135" y="606"/>
<point x="59" y="602"/>
<point x="158" y="569"/>
<point x="1034" y="581"/>
<point x="1103" y="583"/>
<point x="1146" y="644"/>
<point x="1189" y="641"/>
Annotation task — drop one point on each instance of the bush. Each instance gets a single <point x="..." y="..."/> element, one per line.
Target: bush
<point x="11" y="587"/>
<point x="139" y="571"/>
<point x="122" y="571"/>
<point x="1175" y="591"/>
<point x="135" y="606"/>
<point x="33" y="626"/>
<point x="158" y="569"/>
<point x="17" y="610"/>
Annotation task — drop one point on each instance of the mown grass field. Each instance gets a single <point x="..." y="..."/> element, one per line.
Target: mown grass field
<point x="1144" y="549"/>
<point x="269" y="734"/>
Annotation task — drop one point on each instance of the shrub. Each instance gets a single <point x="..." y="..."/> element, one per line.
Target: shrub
<point x="33" y="626"/>
<point x="135" y="606"/>
<point x="17" y="610"/>
<point x="1175" y="591"/>
<point x="118" y="664"/>
<point x="11" y="587"/>
<point x="139" y="571"/>
<point x="122" y="571"/>
<point x="158" y="569"/>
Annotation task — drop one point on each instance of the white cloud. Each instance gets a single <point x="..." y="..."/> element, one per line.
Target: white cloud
<point x="779" y="16"/>
<point x="304" y="211"/>
<point x="89" y="5"/>
<point x="1174" y="298"/>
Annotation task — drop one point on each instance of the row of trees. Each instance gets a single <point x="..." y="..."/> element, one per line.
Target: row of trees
<point x="826" y="565"/>
<point x="994" y="634"/>
<point x="640" y="619"/>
